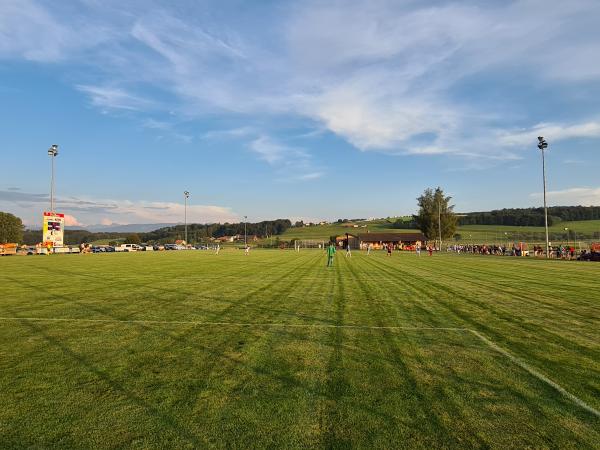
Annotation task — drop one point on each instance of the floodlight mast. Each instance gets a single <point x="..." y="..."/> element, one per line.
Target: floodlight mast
<point x="542" y="145"/>
<point x="186" y="195"/>
<point x="52" y="152"/>
<point x="440" y="223"/>
<point x="245" y="232"/>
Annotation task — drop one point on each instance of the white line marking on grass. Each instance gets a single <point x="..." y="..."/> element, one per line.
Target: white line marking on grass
<point x="523" y="365"/>
<point x="481" y="337"/>
<point x="238" y="324"/>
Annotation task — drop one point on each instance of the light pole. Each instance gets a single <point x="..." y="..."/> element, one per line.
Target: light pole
<point x="245" y="233"/>
<point x="186" y="195"/>
<point x="440" y="222"/>
<point x="52" y="152"/>
<point x="542" y="145"/>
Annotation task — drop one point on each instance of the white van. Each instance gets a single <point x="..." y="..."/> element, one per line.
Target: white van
<point x="127" y="248"/>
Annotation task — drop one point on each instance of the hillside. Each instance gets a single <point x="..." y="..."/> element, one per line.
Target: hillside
<point x="583" y="230"/>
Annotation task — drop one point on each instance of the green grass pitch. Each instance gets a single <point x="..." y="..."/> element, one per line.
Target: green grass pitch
<point x="195" y="350"/>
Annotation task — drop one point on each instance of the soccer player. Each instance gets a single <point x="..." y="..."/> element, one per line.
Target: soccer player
<point x="247" y="250"/>
<point x="348" y="253"/>
<point x="330" y="253"/>
<point x="218" y="248"/>
<point x="418" y="249"/>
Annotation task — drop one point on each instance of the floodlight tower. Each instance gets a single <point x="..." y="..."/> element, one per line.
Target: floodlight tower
<point x="542" y="145"/>
<point x="186" y="195"/>
<point x="245" y="232"/>
<point x="52" y="153"/>
<point x="440" y="223"/>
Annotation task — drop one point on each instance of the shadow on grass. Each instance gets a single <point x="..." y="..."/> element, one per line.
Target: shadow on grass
<point x="163" y="418"/>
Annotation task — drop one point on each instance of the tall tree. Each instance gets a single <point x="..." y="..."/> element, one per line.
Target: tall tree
<point x="435" y="209"/>
<point x="133" y="238"/>
<point x="11" y="228"/>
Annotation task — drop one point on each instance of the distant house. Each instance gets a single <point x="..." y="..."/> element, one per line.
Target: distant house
<point x="398" y="240"/>
<point x="180" y="242"/>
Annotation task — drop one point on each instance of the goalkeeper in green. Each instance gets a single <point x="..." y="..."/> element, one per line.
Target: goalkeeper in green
<point x="330" y="253"/>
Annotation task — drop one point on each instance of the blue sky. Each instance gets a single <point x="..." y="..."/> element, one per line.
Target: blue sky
<point x="313" y="110"/>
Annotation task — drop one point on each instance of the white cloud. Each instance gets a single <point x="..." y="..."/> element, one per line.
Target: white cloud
<point x="292" y="163"/>
<point x="71" y="221"/>
<point x="35" y="33"/>
<point x="552" y="132"/>
<point x="107" y="97"/>
<point x="379" y="73"/>
<point x="230" y="133"/>
<point x="584" y="196"/>
<point x="89" y="210"/>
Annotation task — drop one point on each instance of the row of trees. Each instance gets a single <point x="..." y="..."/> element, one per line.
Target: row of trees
<point x="199" y="232"/>
<point x="72" y="237"/>
<point x="196" y="233"/>
<point x="435" y="212"/>
<point x="531" y="216"/>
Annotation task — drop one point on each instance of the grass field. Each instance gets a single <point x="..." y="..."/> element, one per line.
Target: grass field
<point x="190" y="349"/>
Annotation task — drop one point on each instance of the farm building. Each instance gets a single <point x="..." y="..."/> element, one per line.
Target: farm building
<point x="345" y="239"/>
<point x="398" y="240"/>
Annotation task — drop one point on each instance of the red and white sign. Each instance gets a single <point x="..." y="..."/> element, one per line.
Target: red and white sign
<point x="53" y="229"/>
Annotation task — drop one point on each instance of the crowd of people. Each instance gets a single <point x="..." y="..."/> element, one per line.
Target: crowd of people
<point x="517" y="249"/>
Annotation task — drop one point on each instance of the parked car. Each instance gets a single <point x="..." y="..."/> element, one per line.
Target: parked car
<point x="171" y="247"/>
<point x="109" y="249"/>
<point x="157" y="247"/>
<point x="127" y="248"/>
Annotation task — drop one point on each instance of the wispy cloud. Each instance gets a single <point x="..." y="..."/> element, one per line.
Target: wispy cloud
<point x="238" y="132"/>
<point x="87" y="210"/>
<point x="384" y="75"/>
<point x="552" y="132"/>
<point x="294" y="162"/>
<point x="585" y="196"/>
<point x="107" y="97"/>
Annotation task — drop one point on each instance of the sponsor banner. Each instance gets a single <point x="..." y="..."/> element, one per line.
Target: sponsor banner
<point x="53" y="229"/>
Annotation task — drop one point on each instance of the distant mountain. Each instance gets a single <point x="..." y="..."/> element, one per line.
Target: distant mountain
<point x="128" y="228"/>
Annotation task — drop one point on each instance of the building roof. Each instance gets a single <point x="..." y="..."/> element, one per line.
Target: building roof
<point x="391" y="237"/>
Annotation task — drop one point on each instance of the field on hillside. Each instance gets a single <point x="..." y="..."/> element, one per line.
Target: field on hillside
<point x="190" y="349"/>
<point x="477" y="234"/>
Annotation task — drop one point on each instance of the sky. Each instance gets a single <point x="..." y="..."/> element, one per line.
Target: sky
<point x="307" y="110"/>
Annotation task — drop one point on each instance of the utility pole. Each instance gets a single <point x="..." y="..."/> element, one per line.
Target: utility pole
<point x="52" y="152"/>
<point x="542" y="145"/>
<point x="245" y="232"/>
<point x="186" y="195"/>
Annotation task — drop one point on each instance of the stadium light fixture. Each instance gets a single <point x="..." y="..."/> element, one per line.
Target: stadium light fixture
<point x="52" y="152"/>
<point x="186" y="195"/>
<point x="543" y="145"/>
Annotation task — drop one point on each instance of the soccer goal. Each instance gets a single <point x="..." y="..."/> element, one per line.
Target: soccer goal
<point x="318" y="244"/>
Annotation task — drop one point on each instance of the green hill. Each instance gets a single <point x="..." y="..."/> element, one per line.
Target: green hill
<point x="581" y="230"/>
